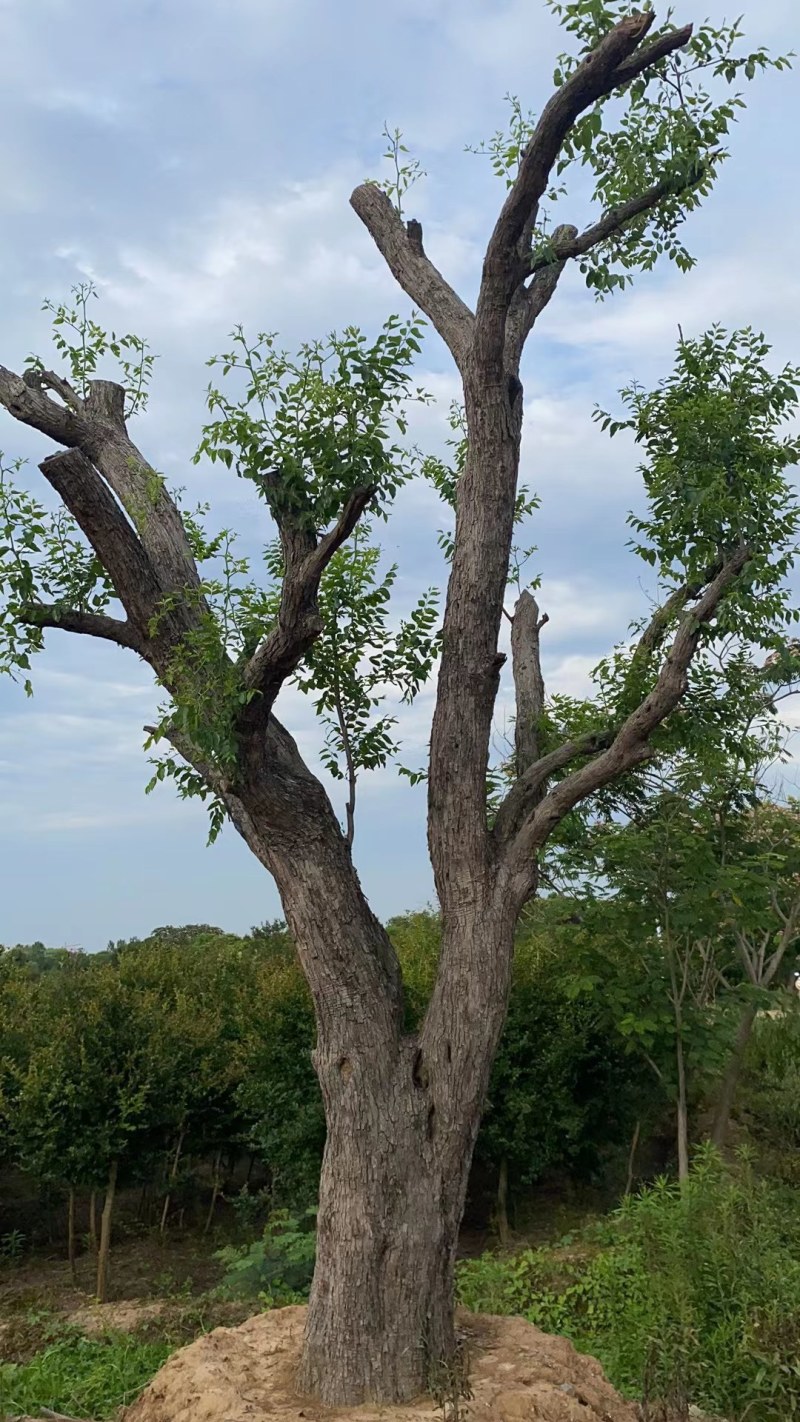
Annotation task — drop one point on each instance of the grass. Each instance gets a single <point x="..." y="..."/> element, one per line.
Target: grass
<point x="80" y="1376"/>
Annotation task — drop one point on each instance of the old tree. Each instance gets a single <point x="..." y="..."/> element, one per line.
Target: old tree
<point x="121" y="559"/>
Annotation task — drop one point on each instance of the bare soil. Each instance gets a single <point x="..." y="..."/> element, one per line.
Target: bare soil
<point x="246" y="1374"/>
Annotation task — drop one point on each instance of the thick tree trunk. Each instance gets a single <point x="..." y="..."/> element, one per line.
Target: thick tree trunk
<point x="104" y="1252"/>
<point x="391" y="1198"/>
<point x="730" y="1081"/>
<point x="402" y="1123"/>
<point x="402" y="1111"/>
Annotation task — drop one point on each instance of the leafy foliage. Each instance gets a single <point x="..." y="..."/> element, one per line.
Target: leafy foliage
<point x="277" y="1269"/>
<point x="686" y="1295"/>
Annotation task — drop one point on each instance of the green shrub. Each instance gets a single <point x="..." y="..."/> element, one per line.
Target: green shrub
<point x="770" y="1091"/>
<point x="82" y="1377"/>
<point x="278" y="1268"/>
<point x="686" y="1295"/>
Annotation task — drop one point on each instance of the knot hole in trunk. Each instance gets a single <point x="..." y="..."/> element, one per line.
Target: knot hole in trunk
<point x="419" y="1072"/>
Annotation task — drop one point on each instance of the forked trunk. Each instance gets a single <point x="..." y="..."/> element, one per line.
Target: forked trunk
<point x="402" y="1110"/>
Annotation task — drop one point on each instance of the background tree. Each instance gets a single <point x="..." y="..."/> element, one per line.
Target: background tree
<point x="318" y="437"/>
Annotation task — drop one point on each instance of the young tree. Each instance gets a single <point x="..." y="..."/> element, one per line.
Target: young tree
<point x="761" y="890"/>
<point x="316" y="437"/>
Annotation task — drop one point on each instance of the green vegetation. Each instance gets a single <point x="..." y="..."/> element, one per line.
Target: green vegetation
<point x="684" y="1295"/>
<point x="81" y="1377"/>
<point x="619" y="893"/>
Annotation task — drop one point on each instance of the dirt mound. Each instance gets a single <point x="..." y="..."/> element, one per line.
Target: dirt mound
<point x="123" y="1317"/>
<point x="246" y="1374"/>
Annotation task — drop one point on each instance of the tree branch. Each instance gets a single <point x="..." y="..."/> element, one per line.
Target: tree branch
<point x="25" y="400"/>
<point x="613" y="62"/>
<point x="533" y="776"/>
<point x="529" y="301"/>
<point x="528" y="680"/>
<point x="526" y="792"/>
<point x="565" y="247"/>
<point x="403" y="252"/>
<point x="115" y="542"/>
<point x="89" y="624"/>
<point x="299" y="623"/>
<point x="630" y="746"/>
<point x="96" y="426"/>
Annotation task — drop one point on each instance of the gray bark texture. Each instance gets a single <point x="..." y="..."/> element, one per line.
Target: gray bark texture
<point x="402" y="1111"/>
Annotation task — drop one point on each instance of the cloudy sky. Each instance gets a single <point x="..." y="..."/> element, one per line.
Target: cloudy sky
<point x="195" y="158"/>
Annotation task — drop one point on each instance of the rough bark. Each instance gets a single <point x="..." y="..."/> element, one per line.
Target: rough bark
<point x="402" y="1112"/>
<point x="104" y="1251"/>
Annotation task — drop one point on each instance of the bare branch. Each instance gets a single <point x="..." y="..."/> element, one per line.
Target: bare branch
<point x="527" y="791"/>
<point x="529" y="788"/>
<point x="96" y="426"/>
<point x="650" y="54"/>
<point x="528" y="679"/>
<point x="529" y="301"/>
<point x="612" y="63"/>
<point x="37" y="379"/>
<point x="402" y="249"/>
<point x="333" y="540"/>
<point x="630" y="746"/>
<point x="299" y="622"/>
<point x="29" y="404"/>
<point x="89" y="624"/>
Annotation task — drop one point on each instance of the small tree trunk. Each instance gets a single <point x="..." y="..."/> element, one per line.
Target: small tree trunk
<point x="104" y="1252"/>
<point x="93" y="1223"/>
<point x="632" y="1158"/>
<point x="172" y="1177"/>
<point x="71" y="1235"/>
<point x="730" y="1081"/>
<point x="214" y="1192"/>
<point x="683" y="1114"/>
<point x="503" y="1231"/>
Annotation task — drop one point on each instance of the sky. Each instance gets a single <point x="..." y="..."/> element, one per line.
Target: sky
<point x="195" y="160"/>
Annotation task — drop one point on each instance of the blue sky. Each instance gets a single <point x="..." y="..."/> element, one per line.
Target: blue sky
<point x="195" y="159"/>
